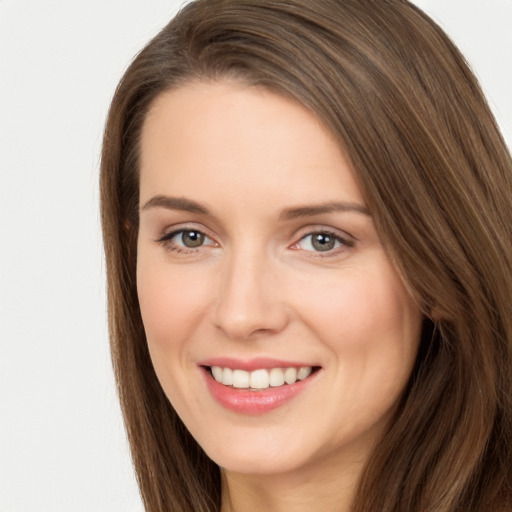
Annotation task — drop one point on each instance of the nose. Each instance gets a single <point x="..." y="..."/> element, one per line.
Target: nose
<point x="250" y="301"/>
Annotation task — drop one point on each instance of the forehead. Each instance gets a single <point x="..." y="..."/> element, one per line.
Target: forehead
<point x="242" y="140"/>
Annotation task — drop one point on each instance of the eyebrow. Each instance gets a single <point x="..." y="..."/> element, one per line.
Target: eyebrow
<point x="188" y="205"/>
<point x="175" y="203"/>
<point x="330" y="207"/>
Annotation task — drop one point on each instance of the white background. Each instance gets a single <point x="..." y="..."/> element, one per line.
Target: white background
<point x="62" y="444"/>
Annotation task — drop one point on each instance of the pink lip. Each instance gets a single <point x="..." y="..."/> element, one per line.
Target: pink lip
<point x="244" y="401"/>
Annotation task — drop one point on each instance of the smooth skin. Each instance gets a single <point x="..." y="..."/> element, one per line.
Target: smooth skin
<point x="280" y="259"/>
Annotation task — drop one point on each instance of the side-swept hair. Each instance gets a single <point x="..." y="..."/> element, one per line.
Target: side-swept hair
<point x="437" y="178"/>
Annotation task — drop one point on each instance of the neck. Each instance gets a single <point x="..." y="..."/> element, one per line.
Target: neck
<point x="327" y="488"/>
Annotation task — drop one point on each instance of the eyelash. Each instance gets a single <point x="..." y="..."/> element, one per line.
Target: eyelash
<point x="166" y="240"/>
<point x="344" y="242"/>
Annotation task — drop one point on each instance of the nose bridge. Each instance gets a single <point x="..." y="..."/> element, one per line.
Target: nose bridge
<point x="249" y="300"/>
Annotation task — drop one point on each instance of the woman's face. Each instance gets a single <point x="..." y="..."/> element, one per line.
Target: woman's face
<point x="259" y="262"/>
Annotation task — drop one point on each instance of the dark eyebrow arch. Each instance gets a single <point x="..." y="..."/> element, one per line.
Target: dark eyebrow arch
<point x="310" y="211"/>
<point x="175" y="203"/>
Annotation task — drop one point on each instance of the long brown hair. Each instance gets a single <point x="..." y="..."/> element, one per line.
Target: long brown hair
<point x="437" y="177"/>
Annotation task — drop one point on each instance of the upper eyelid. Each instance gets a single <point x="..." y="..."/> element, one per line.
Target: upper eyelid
<point x="166" y="241"/>
<point x="311" y="230"/>
<point x="345" y="242"/>
<point x="171" y="231"/>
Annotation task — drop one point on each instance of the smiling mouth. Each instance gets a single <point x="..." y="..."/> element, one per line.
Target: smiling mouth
<point x="260" y="379"/>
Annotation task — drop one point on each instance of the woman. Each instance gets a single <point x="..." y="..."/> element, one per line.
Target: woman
<point x="306" y="211"/>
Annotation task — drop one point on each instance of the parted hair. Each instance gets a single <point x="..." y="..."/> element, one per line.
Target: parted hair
<point x="437" y="178"/>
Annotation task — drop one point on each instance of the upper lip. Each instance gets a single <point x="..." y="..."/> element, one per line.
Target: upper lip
<point x="252" y="364"/>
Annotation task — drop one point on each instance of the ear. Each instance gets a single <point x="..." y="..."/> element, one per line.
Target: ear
<point x="130" y="233"/>
<point x="439" y="313"/>
<point x="127" y="226"/>
<point x="434" y="314"/>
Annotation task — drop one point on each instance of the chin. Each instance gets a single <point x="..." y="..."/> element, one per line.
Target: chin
<point x="258" y="464"/>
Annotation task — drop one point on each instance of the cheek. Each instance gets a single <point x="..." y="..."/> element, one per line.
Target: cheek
<point x="368" y="320"/>
<point x="171" y="301"/>
<point x="172" y="304"/>
<point x="356" y="304"/>
<point x="372" y="328"/>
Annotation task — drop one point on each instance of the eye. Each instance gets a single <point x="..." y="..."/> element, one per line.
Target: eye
<point x="189" y="238"/>
<point x="184" y="239"/>
<point x="322" y="241"/>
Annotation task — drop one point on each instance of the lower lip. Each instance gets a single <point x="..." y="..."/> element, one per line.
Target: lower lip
<point x="244" y="401"/>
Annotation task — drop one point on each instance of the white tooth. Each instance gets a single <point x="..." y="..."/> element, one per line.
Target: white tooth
<point x="240" y="379"/>
<point x="276" y="377"/>
<point x="290" y="375"/>
<point x="259" y="379"/>
<point x="217" y="373"/>
<point x="304" y="372"/>
<point x="227" y="377"/>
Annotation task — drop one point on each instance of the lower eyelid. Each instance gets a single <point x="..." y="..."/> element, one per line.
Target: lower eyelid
<point x="166" y="240"/>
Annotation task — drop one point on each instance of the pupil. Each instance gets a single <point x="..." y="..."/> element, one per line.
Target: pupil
<point x="323" y="242"/>
<point x="192" y="238"/>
